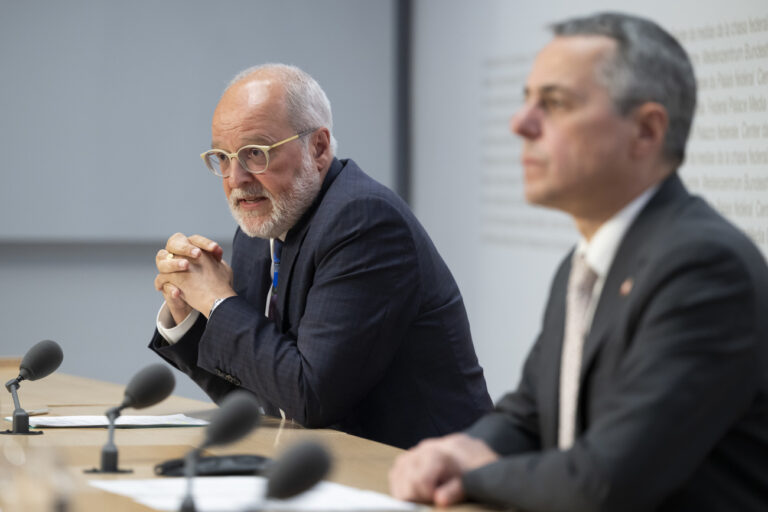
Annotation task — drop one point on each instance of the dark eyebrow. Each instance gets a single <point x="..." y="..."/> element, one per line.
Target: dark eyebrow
<point x="552" y="89"/>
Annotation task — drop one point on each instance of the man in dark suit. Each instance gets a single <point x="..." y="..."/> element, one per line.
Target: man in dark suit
<point x="358" y="324"/>
<point x="646" y="389"/>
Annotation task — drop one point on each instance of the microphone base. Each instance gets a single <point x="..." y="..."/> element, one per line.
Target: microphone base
<point x="109" y="455"/>
<point x="28" y="433"/>
<point x="109" y="463"/>
<point x="20" y="423"/>
<point x="106" y="472"/>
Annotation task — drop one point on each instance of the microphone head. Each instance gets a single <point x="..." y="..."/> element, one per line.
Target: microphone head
<point x="236" y="417"/>
<point x="149" y="386"/>
<point x="41" y="360"/>
<point x="298" y="469"/>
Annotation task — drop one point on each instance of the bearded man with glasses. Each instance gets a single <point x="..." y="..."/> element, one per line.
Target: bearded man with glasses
<point x="337" y="310"/>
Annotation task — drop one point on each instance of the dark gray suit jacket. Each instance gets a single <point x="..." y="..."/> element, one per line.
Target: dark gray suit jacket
<point x="373" y="336"/>
<point x="673" y="411"/>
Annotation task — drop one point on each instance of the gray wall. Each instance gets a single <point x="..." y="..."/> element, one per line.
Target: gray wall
<point x="105" y="108"/>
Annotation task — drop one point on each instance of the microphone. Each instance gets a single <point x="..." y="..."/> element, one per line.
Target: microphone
<point x="237" y="416"/>
<point x="149" y="386"/>
<point x="297" y="470"/>
<point x="40" y="361"/>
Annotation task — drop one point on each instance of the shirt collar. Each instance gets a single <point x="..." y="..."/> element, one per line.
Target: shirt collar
<point x="272" y="245"/>
<point x="600" y="251"/>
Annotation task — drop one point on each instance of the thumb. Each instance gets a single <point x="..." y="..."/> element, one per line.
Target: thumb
<point x="176" y="304"/>
<point x="449" y="493"/>
<point x="172" y="295"/>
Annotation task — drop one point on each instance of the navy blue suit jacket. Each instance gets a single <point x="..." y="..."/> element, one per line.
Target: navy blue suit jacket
<point x="673" y="403"/>
<point x="373" y="337"/>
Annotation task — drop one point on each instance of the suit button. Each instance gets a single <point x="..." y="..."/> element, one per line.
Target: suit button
<point x="227" y="377"/>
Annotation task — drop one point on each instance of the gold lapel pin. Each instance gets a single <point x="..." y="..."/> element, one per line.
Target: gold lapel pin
<point x="626" y="286"/>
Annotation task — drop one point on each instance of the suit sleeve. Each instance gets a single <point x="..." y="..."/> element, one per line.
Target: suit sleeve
<point x="513" y="427"/>
<point x="364" y="294"/>
<point x="690" y="370"/>
<point x="183" y="355"/>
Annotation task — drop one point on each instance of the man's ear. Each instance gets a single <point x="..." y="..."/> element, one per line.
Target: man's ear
<point x="320" y="148"/>
<point x="651" y="123"/>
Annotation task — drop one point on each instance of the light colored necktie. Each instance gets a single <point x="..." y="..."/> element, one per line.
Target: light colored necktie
<point x="580" y="285"/>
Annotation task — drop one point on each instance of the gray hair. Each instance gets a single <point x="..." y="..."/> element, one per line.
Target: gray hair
<point x="307" y="104"/>
<point x="649" y="65"/>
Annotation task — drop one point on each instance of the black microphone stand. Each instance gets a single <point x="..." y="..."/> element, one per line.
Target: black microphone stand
<point x="109" y="450"/>
<point x="188" y="504"/>
<point x="148" y="387"/>
<point x="237" y="415"/>
<point x="20" y="416"/>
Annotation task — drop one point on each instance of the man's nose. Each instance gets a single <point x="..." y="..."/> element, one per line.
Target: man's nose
<point x="238" y="176"/>
<point x="526" y="122"/>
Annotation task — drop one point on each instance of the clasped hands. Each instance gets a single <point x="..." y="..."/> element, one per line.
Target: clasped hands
<point x="431" y="471"/>
<point x="192" y="275"/>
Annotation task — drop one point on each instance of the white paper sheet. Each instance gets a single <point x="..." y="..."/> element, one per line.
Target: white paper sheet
<point x="239" y="493"/>
<point x="172" y="420"/>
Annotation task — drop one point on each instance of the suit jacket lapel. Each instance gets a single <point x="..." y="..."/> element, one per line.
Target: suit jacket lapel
<point x="610" y="306"/>
<point x="294" y="240"/>
<point x="290" y="251"/>
<point x="551" y="352"/>
<point x="629" y="260"/>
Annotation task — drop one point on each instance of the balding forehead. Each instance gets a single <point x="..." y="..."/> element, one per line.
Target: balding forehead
<point x="253" y="97"/>
<point x="251" y="111"/>
<point x="255" y="90"/>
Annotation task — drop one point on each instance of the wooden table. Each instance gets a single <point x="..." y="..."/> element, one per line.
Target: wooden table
<point x="56" y="459"/>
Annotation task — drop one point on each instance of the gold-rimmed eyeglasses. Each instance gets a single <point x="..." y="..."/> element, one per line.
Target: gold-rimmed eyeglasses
<point x="254" y="158"/>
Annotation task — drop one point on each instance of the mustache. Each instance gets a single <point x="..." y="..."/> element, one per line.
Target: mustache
<point x="248" y="191"/>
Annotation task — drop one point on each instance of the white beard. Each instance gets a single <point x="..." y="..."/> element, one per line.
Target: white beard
<point x="286" y="209"/>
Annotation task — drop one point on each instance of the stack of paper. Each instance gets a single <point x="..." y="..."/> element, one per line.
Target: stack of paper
<point x="240" y="493"/>
<point x="172" y="420"/>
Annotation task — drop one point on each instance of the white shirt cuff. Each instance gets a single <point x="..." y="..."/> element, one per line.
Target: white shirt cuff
<point x="168" y="328"/>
